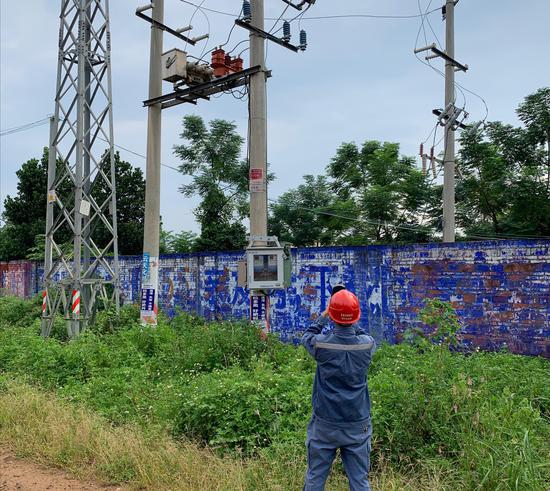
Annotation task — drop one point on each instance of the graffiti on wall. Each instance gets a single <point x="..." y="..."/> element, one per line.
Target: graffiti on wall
<point x="500" y="289"/>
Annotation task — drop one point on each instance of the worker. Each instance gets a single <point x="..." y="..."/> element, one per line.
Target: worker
<point x="341" y="403"/>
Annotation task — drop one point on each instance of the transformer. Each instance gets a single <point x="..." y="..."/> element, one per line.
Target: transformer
<point x="174" y="65"/>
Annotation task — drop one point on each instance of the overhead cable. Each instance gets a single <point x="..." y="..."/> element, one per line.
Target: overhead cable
<point x="342" y="16"/>
<point x="416" y="228"/>
<point x="25" y="127"/>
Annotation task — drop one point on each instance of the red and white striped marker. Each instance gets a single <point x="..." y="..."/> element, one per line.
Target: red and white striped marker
<point x="44" y="301"/>
<point x="76" y="302"/>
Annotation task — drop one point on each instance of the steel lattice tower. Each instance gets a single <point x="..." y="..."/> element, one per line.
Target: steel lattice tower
<point x="81" y="254"/>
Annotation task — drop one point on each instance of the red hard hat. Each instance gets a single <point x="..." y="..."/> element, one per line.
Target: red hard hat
<point x="344" y="308"/>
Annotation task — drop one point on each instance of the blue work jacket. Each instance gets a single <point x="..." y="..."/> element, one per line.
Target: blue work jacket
<point x="340" y="391"/>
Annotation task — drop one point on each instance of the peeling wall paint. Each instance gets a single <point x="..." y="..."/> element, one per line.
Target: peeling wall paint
<point x="500" y="289"/>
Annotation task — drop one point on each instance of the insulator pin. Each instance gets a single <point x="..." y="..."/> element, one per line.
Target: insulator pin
<point x="303" y="40"/>
<point x="286" y="31"/>
<point x="247" y="11"/>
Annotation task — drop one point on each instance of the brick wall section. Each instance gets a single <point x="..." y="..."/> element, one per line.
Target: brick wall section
<point x="500" y="289"/>
<point x="18" y="277"/>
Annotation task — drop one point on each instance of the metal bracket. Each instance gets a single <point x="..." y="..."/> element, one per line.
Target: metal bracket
<point x="441" y="54"/>
<point x="452" y="61"/>
<point x="202" y="91"/>
<point x="439" y="113"/>
<point x="163" y="27"/>
<point x="300" y="5"/>
<point x="266" y="35"/>
<point x="266" y="239"/>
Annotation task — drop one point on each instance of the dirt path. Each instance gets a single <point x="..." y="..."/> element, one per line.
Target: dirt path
<point x="22" y="475"/>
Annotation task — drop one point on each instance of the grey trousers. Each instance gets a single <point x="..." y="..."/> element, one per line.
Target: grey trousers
<point x="322" y="442"/>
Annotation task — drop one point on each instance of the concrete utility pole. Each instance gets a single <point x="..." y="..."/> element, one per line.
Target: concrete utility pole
<point x="450" y="117"/>
<point x="50" y="201"/>
<point x="149" y="283"/>
<point x="449" y="152"/>
<point x="258" y="127"/>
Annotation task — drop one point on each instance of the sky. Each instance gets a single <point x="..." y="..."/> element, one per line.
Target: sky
<point x="358" y="80"/>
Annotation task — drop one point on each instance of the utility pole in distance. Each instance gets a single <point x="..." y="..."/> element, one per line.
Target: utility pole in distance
<point x="258" y="126"/>
<point x="450" y="118"/>
<point x="151" y="237"/>
<point x="449" y="152"/>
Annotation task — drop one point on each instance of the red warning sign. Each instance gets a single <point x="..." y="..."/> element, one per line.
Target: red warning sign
<point x="256" y="174"/>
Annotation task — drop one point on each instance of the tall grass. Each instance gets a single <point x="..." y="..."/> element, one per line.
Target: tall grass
<point x="480" y="420"/>
<point x="40" y="426"/>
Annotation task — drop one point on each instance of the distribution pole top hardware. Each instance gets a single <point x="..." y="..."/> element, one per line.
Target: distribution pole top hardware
<point x="437" y="53"/>
<point x="204" y="90"/>
<point x="194" y="80"/>
<point x="160" y="25"/>
<point x="245" y="23"/>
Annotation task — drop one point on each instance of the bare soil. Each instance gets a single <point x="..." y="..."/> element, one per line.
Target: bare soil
<point x="22" y="475"/>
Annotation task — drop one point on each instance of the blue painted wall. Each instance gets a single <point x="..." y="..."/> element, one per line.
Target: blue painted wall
<point x="500" y="289"/>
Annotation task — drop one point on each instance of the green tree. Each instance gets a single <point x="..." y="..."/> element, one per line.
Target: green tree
<point x="24" y="214"/>
<point x="183" y="241"/>
<point x="130" y="185"/>
<point x="309" y="214"/>
<point x="22" y="235"/>
<point x="503" y="185"/>
<point x="391" y="195"/>
<point x="211" y="155"/>
<point x="177" y="243"/>
<point x="534" y="112"/>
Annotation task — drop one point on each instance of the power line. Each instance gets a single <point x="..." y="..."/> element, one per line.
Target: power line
<point x="17" y="129"/>
<point x="427" y="20"/>
<point x="207" y="9"/>
<point x="238" y="44"/>
<point x="367" y="16"/>
<point x="231" y="30"/>
<point x="139" y="154"/>
<point x="365" y="220"/>
<point x="280" y="17"/>
<point x="25" y="127"/>
<point x="343" y="16"/>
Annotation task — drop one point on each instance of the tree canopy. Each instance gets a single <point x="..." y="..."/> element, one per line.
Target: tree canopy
<point x="504" y="185"/>
<point x="369" y="195"/>
<point x="211" y="156"/>
<point x="22" y="235"/>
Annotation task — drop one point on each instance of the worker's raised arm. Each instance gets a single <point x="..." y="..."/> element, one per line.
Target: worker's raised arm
<point x="308" y="339"/>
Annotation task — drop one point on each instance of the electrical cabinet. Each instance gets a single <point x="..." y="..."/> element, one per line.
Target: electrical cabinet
<point x="174" y="65"/>
<point x="265" y="268"/>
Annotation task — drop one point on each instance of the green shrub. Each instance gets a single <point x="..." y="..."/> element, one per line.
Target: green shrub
<point x="15" y="311"/>
<point x="484" y="413"/>
<point x="246" y="409"/>
<point x="203" y="346"/>
<point x="485" y="416"/>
